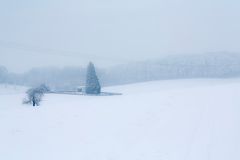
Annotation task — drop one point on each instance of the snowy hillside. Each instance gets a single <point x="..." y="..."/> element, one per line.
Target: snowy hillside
<point x="162" y="120"/>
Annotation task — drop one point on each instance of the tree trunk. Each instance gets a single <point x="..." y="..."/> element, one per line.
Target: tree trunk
<point x="34" y="104"/>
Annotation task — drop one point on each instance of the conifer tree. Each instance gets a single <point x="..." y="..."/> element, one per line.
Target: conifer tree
<point x="92" y="83"/>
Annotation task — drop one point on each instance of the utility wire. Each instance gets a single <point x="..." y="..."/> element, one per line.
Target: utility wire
<point x="34" y="50"/>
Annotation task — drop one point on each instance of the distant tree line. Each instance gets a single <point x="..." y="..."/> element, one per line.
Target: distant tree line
<point x="215" y="65"/>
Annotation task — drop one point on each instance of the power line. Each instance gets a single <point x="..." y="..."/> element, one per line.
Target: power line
<point x="35" y="50"/>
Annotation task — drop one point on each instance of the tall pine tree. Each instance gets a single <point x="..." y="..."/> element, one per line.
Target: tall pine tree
<point x="92" y="84"/>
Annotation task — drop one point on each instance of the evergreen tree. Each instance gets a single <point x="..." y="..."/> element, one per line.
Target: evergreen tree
<point x="92" y="83"/>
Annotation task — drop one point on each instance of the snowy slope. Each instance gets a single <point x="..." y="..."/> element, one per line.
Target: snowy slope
<point x="162" y="120"/>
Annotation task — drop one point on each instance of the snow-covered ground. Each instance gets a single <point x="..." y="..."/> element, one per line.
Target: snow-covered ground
<point x="163" y="120"/>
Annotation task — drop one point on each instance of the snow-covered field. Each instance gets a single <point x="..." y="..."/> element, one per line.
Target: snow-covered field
<point x="163" y="120"/>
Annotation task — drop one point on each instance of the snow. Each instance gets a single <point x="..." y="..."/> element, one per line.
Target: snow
<point x="196" y="119"/>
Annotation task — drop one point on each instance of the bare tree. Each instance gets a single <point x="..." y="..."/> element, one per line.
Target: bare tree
<point x="34" y="95"/>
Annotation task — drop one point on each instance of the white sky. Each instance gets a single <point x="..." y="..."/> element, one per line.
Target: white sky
<point x="72" y="32"/>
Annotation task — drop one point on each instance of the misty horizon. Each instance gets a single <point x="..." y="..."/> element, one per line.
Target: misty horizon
<point x="72" y="33"/>
<point x="101" y="63"/>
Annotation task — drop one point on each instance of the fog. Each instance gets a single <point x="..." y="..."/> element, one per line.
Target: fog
<point x="73" y="32"/>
